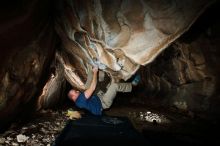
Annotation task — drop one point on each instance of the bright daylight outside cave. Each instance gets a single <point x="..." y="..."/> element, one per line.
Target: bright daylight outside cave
<point x="109" y="72"/>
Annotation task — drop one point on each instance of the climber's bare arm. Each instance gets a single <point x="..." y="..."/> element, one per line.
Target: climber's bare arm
<point x="88" y="93"/>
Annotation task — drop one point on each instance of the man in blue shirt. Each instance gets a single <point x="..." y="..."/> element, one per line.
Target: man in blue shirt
<point x="96" y="103"/>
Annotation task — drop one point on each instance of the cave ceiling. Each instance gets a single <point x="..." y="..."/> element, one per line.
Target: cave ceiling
<point x="119" y="36"/>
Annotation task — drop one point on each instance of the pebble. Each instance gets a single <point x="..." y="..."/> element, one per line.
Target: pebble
<point x="22" y="138"/>
<point x="2" y="140"/>
<point x="9" y="138"/>
<point x="14" y="144"/>
<point x="7" y="141"/>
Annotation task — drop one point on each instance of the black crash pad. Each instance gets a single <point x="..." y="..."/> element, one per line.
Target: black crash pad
<point x="100" y="130"/>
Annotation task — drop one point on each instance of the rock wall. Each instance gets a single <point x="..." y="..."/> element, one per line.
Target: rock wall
<point x="27" y="43"/>
<point x="186" y="75"/>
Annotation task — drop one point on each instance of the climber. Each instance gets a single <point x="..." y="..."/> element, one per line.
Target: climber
<point x="96" y="103"/>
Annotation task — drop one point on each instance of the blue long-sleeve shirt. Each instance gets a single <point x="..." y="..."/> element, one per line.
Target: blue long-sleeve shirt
<point x="93" y="104"/>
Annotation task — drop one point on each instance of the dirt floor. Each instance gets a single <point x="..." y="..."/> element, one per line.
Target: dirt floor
<point x="159" y="126"/>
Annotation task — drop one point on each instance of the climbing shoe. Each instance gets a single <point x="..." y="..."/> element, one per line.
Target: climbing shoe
<point x="136" y="80"/>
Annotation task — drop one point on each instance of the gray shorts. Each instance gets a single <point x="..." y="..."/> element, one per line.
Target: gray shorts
<point x="108" y="97"/>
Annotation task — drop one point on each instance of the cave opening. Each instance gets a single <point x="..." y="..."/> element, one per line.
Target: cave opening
<point x="177" y="100"/>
